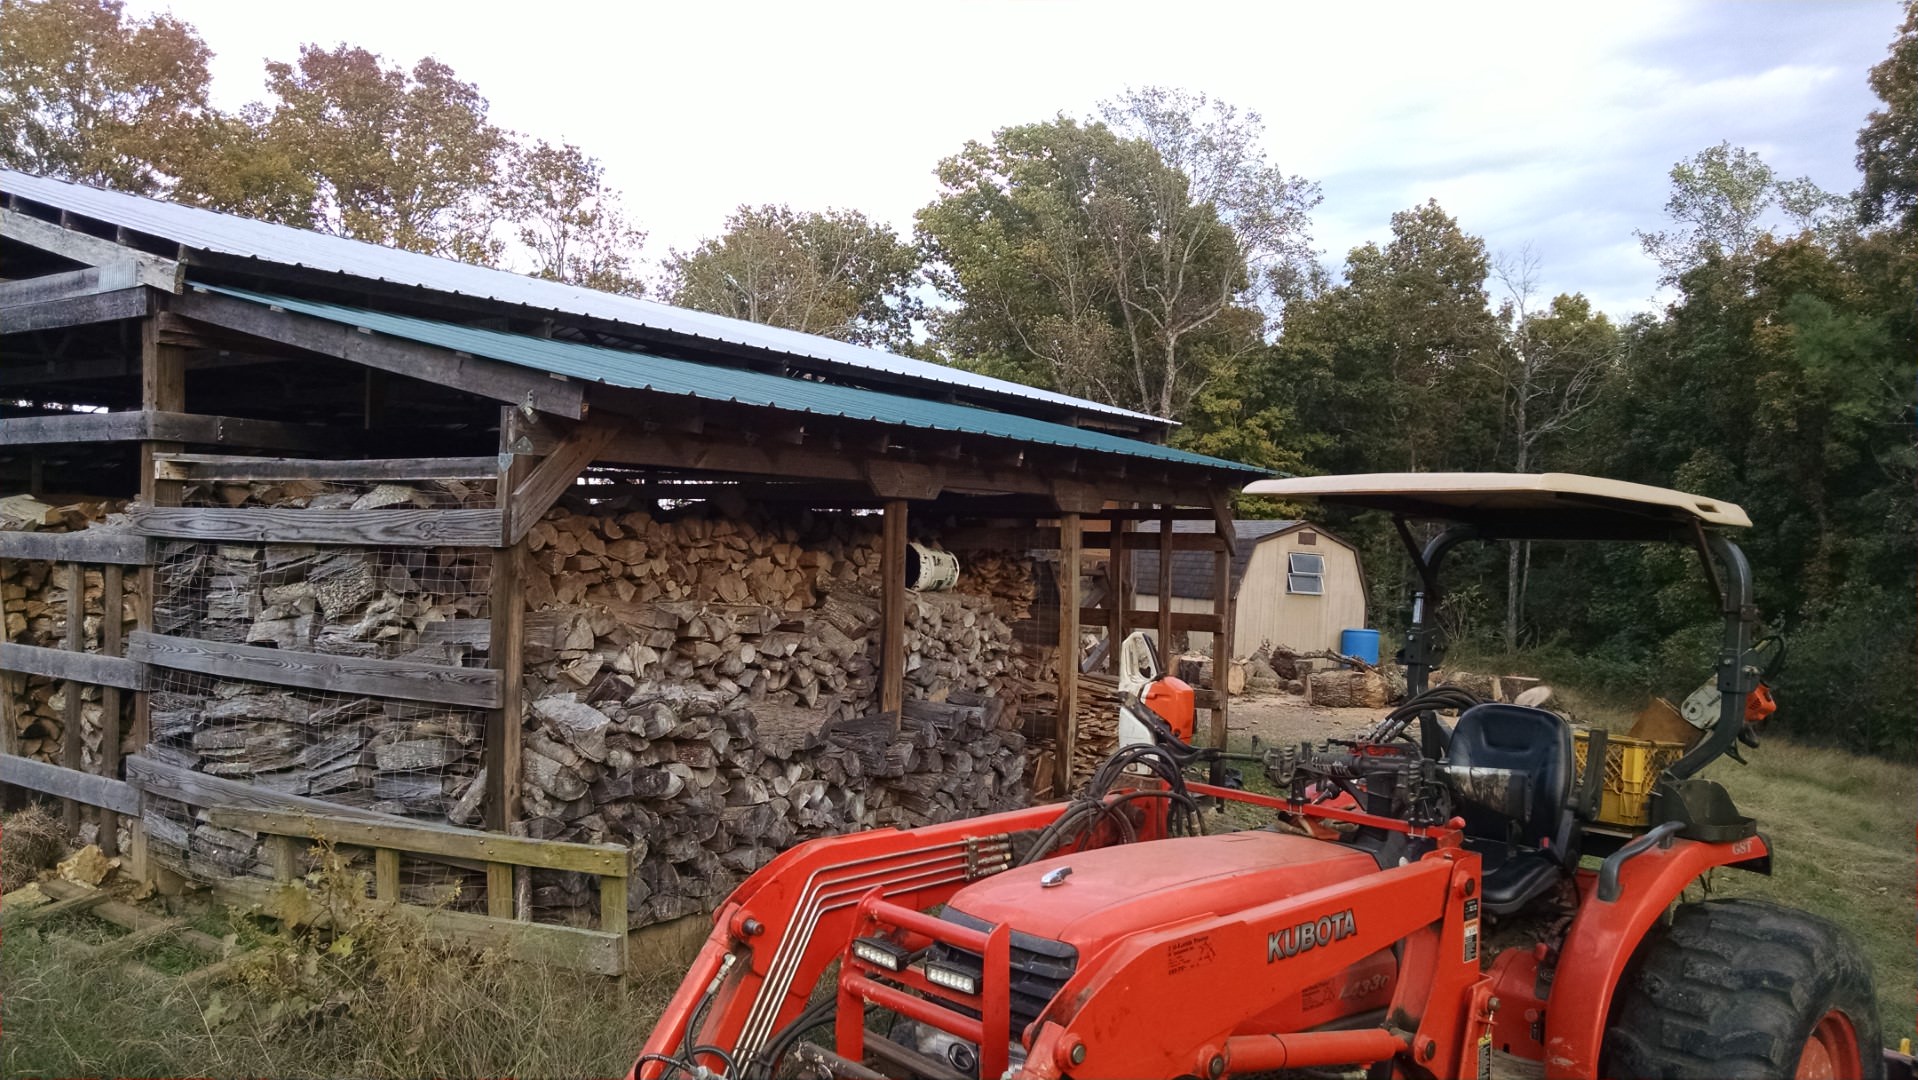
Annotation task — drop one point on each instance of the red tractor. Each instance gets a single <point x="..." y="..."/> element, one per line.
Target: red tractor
<point x="1431" y="900"/>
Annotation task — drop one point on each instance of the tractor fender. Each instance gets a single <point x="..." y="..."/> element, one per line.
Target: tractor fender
<point x="1606" y="932"/>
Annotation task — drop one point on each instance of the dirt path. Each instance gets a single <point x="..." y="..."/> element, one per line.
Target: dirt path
<point x="1283" y="719"/>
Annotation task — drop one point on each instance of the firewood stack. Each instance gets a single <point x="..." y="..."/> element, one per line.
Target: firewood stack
<point x="704" y="691"/>
<point x="1004" y="576"/>
<point x="34" y="595"/>
<point x="1098" y="723"/>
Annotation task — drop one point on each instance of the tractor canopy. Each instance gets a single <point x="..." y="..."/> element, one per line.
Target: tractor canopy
<point x="1519" y="506"/>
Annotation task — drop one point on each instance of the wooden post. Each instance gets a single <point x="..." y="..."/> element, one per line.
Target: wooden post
<point x="1118" y="591"/>
<point x="1165" y="590"/>
<point x="892" y="617"/>
<point x="508" y="611"/>
<point x="112" y="604"/>
<point x="1067" y="723"/>
<point x="1223" y="604"/>
<point x="386" y="875"/>
<point x="71" y="734"/>
<point x="162" y="389"/>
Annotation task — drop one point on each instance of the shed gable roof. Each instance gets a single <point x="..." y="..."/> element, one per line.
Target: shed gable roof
<point x="1192" y="570"/>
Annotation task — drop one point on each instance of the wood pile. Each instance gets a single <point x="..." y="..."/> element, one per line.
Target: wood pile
<point x="341" y="495"/>
<point x="33" y="597"/>
<point x="1097" y="726"/>
<point x="1005" y="576"/>
<point x="704" y="691"/>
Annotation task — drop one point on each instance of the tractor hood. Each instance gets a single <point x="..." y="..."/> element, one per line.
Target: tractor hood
<point x="1116" y="891"/>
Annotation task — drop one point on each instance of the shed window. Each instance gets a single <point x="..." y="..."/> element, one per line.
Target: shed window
<point x="1305" y="573"/>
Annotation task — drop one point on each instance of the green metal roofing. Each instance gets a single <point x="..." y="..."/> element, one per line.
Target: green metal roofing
<point x="663" y="375"/>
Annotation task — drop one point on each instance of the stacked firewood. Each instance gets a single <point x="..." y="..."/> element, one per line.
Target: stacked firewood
<point x="705" y="692"/>
<point x="1004" y="576"/>
<point x="340" y="495"/>
<point x="1097" y="732"/>
<point x="33" y="596"/>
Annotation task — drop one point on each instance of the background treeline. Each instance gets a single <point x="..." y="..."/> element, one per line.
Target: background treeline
<point x="1151" y="256"/>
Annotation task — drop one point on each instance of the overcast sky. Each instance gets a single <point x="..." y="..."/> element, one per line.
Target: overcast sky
<point x="1542" y="123"/>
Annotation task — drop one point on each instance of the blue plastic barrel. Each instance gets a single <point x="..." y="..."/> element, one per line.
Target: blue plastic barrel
<point x="1363" y="644"/>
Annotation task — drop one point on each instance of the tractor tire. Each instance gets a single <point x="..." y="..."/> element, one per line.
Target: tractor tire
<point x="1744" y="990"/>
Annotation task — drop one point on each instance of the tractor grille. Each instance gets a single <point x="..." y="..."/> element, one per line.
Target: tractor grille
<point x="1040" y="967"/>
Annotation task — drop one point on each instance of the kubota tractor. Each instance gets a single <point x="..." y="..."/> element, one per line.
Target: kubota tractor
<point x="1432" y="900"/>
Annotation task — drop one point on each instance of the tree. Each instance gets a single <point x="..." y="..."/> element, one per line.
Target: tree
<point x="87" y="94"/>
<point x="1108" y="258"/>
<point x="1551" y="367"/>
<point x="566" y="217"/>
<point x="406" y="159"/>
<point x="1888" y="143"/>
<point x="837" y="273"/>
<point x="1720" y="200"/>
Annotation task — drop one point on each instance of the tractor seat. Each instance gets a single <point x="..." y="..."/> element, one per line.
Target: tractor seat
<point x="1521" y="858"/>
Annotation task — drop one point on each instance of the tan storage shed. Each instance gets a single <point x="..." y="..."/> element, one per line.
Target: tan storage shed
<point x="1294" y="584"/>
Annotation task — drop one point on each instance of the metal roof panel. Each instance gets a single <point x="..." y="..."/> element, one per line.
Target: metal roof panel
<point x="711" y="382"/>
<point x="229" y="234"/>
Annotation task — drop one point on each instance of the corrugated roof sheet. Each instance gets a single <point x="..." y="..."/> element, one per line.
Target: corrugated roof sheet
<point x="1192" y="570"/>
<point x="227" y="234"/>
<point x="711" y="382"/>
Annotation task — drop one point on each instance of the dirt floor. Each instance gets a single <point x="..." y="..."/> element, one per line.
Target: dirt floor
<point x="1286" y="720"/>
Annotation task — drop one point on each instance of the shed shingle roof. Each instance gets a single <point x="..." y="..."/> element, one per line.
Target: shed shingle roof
<point x="1192" y="570"/>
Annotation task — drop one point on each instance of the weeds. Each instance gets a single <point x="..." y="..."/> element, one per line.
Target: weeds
<point x="30" y="841"/>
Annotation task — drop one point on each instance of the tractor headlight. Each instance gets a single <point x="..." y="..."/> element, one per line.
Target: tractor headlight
<point x="952" y="978"/>
<point x="881" y="953"/>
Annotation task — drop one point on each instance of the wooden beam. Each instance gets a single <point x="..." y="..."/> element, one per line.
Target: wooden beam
<point x="1223" y="612"/>
<point x="170" y="426"/>
<point x="506" y="632"/>
<point x="96" y="545"/>
<point x="537" y="491"/>
<point x="892" y="609"/>
<point x="155" y="777"/>
<point x="1204" y="622"/>
<point x="76" y="311"/>
<point x="79" y="668"/>
<point x="1046" y="538"/>
<point x="21" y="917"/>
<point x="234" y="467"/>
<point x="606" y="860"/>
<point x="73" y="727"/>
<point x="162" y="389"/>
<point x="1118" y="590"/>
<point x="85" y="248"/>
<point x="1067" y="721"/>
<point x="72" y="285"/>
<point x="112" y="610"/>
<point x="494" y="379"/>
<point x="1226" y="531"/>
<point x="70" y="784"/>
<point x="401" y="527"/>
<point x="904" y="479"/>
<point x="412" y="680"/>
<point x="1164" y="629"/>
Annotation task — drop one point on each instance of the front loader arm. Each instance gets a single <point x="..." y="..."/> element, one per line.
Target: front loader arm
<point x="784" y="925"/>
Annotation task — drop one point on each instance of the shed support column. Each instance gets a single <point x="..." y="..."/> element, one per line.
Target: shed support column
<point x="1223" y="607"/>
<point x="1067" y="722"/>
<point x="892" y="617"/>
<point x="1118" y="590"/>
<point x="112" y="605"/>
<point x="162" y="389"/>
<point x="508" y="613"/>
<point x="1165" y="590"/>
<point x="72" y="729"/>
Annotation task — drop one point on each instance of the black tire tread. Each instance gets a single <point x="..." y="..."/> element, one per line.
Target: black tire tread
<point x="1731" y="989"/>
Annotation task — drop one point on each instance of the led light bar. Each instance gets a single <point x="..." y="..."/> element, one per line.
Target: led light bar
<point x="952" y="978"/>
<point x="881" y="953"/>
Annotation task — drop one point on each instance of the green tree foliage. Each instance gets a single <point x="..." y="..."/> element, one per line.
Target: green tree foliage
<point x="569" y="220"/>
<point x="90" y="95"/>
<point x="838" y="274"/>
<point x="398" y="157"/>
<point x="1888" y="143"/>
<point x="1126" y="259"/>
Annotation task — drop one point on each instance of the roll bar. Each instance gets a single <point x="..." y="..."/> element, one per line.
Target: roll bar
<point x="1726" y="567"/>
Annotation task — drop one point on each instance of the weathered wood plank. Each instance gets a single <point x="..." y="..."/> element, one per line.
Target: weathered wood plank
<point x="92" y="250"/>
<point x="27" y="916"/>
<point x="199" y="789"/>
<point x="70" y="285"/>
<point x="594" y="951"/>
<point x="1046" y="538"/>
<point x="487" y="378"/>
<point x="536" y="493"/>
<point x="426" y="839"/>
<point x="86" y="546"/>
<point x="892" y="603"/>
<point x="236" y="467"/>
<point x="104" y="792"/>
<point x="55" y="314"/>
<point x="128" y="917"/>
<point x="1203" y="621"/>
<point x="475" y="687"/>
<point x="145" y="424"/>
<point x="401" y="527"/>
<point x="71" y="750"/>
<point x="112" y="608"/>
<point x="1066" y="722"/>
<point x="80" y="667"/>
<point x="386" y="875"/>
<point x="499" y="890"/>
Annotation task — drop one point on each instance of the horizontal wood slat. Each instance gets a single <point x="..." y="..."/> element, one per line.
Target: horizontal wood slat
<point x="86" y="546"/>
<point x="405" y="528"/>
<point x="53" y="314"/>
<point x="198" y="789"/>
<point x="234" y="467"/>
<point x="165" y="427"/>
<point x="105" y="792"/>
<point x="1202" y="621"/>
<point x="602" y="859"/>
<point x="83" y="667"/>
<point x="1046" y="538"/>
<point x="474" y="687"/>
